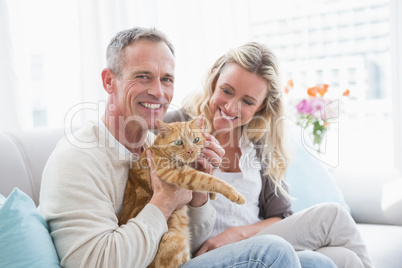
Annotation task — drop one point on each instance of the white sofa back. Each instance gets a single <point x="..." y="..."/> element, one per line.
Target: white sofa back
<point x="22" y="159"/>
<point x="23" y="156"/>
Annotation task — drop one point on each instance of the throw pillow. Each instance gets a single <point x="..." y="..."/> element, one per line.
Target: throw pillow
<point x="309" y="181"/>
<point x="24" y="237"/>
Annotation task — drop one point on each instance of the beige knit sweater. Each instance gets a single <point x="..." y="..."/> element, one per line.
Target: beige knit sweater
<point x="82" y="192"/>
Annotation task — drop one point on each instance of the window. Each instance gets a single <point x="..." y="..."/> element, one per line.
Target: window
<point x="353" y="45"/>
<point x="349" y="47"/>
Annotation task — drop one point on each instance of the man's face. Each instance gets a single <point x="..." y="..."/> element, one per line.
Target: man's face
<point x="145" y="86"/>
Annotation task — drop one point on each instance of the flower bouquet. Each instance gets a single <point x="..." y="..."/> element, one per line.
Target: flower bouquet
<point x="314" y="112"/>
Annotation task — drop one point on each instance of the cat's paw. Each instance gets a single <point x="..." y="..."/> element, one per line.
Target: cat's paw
<point x="213" y="196"/>
<point x="240" y="199"/>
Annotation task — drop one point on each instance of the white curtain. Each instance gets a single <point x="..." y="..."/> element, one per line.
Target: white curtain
<point x="60" y="51"/>
<point x="8" y="82"/>
<point x="396" y="48"/>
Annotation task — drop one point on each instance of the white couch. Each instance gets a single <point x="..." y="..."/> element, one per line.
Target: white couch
<point x="377" y="211"/>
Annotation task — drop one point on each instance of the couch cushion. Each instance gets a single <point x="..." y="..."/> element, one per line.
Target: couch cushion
<point x="374" y="199"/>
<point x="24" y="238"/>
<point x="384" y="243"/>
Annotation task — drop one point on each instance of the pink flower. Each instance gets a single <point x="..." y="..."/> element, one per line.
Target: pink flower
<point x="318" y="104"/>
<point x="313" y="107"/>
<point x="304" y="107"/>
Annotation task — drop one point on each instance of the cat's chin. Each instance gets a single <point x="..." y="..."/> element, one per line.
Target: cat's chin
<point x="187" y="161"/>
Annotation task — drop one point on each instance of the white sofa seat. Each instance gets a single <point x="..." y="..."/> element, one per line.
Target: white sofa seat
<point x="384" y="244"/>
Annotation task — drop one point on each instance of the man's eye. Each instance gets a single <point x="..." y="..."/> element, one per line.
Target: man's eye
<point x="178" y="142"/>
<point x="166" y="79"/>
<point x="143" y="76"/>
<point x="196" y="140"/>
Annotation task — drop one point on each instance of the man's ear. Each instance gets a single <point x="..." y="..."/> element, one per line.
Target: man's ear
<point x="108" y="78"/>
<point x="198" y="122"/>
<point x="164" y="129"/>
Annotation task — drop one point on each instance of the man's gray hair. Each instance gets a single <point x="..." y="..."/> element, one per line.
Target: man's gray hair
<point x="114" y="52"/>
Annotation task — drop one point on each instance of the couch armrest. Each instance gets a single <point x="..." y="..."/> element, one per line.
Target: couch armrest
<point x="372" y="198"/>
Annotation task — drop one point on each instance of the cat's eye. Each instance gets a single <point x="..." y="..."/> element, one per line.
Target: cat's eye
<point x="196" y="140"/>
<point x="178" y="142"/>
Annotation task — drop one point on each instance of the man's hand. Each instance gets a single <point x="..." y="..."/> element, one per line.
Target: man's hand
<point x="166" y="197"/>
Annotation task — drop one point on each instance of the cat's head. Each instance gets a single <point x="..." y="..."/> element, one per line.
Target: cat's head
<point x="182" y="141"/>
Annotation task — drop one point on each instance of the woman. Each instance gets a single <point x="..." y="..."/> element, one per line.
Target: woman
<point x="242" y="101"/>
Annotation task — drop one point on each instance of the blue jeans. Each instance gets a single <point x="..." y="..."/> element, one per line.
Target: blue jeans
<point x="258" y="251"/>
<point x="312" y="259"/>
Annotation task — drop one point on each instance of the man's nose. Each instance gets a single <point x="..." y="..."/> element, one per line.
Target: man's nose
<point x="155" y="89"/>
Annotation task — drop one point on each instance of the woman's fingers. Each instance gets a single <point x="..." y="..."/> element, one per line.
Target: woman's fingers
<point x="213" y="151"/>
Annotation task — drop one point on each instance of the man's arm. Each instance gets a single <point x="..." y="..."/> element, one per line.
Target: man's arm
<point x="80" y="197"/>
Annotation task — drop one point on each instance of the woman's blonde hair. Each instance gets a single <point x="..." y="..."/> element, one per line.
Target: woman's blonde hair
<point x="266" y="129"/>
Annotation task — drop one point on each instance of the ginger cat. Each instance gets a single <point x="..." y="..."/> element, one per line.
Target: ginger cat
<point x="174" y="149"/>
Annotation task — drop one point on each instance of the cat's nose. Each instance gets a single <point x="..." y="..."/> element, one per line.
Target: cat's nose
<point x="190" y="151"/>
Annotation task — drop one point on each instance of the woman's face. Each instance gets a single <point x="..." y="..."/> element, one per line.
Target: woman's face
<point x="238" y="95"/>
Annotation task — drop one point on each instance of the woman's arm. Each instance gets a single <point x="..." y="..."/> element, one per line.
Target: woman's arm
<point x="235" y="234"/>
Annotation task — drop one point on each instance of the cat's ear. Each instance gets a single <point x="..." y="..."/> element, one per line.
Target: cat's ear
<point x="164" y="129"/>
<point x="198" y="122"/>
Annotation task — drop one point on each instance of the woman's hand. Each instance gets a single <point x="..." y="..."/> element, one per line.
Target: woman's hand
<point x="209" y="160"/>
<point x="231" y="235"/>
<point x="211" y="155"/>
<point x="235" y="234"/>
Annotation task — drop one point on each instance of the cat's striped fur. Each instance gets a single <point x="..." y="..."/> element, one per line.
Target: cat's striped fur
<point x="174" y="149"/>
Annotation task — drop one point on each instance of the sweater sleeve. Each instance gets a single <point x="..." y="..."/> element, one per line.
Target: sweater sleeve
<point x="80" y="197"/>
<point x="202" y="220"/>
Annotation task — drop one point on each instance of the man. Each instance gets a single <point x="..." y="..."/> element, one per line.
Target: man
<point x="82" y="188"/>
